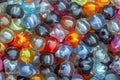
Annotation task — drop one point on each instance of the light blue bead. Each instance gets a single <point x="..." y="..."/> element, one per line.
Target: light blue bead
<point x="64" y="51"/>
<point x="31" y="20"/>
<point x="97" y="21"/>
<point x="25" y="69"/>
<point x="82" y="50"/>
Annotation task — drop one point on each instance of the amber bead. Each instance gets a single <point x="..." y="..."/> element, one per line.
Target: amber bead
<point x="5" y="20"/>
<point x="29" y="1"/>
<point x="37" y="77"/>
<point x="2" y="48"/>
<point x="68" y="22"/>
<point x="102" y="3"/>
<point x="26" y="55"/>
<point x="37" y="42"/>
<point x="73" y="38"/>
<point x="91" y="8"/>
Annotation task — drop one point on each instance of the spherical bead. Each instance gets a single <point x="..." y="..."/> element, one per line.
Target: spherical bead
<point x="37" y="77"/>
<point x="116" y="3"/>
<point x="80" y="2"/>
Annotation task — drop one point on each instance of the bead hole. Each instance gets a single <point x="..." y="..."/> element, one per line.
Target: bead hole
<point x="103" y="33"/>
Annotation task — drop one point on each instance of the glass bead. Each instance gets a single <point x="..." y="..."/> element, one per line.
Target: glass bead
<point x="10" y="66"/>
<point x="105" y="35"/>
<point x="15" y="11"/>
<point x="50" y="76"/>
<point x="31" y="20"/>
<point x="1" y="76"/>
<point x="47" y="59"/>
<point x="80" y="2"/>
<point x="3" y="7"/>
<point x="64" y="51"/>
<point x="52" y="18"/>
<point x="37" y="42"/>
<point x="22" y="78"/>
<point x="109" y="11"/>
<point x="58" y="32"/>
<point x="10" y="77"/>
<point x="114" y="26"/>
<point x="66" y="68"/>
<point x="77" y="77"/>
<point x="91" y="8"/>
<point x="12" y="52"/>
<point x="1" y="1"/>
<point x="17" y="25"/>
<point x="97" y="21"/>
<point x="6" y="35"/>
<point x="26" y="55"/>
<point x="91" y="39"/>
<point x="37" y="77"/>
<point x="75" y="10"/>
<point x="14" y="2"/>
<point x="5" y="20"/>
<point x="118" y="14"/>
<point x="25" y="69"/>
<point x="1" y="65"/>
<point x="42" y="30"/>
<point x="82" y="50"/>
<point x="102" y="3"/>
<point x="116" y="3"/>
<point x="82" y="26"/>
<point x="29" y="1"/>
<point x="52" y="45"/>
<point x="73" y="38"/>
<point x="68" y="22"/>
<point x="115" y="44"/>
<point x="2" y="48"/>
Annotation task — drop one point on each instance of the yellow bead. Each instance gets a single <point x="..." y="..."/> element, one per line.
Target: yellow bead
<point x="26" y="55"/>
<point x="37" y="77"/>
<point x="80" y="2"/>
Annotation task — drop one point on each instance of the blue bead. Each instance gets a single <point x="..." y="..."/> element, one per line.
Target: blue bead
<point x="97" y="21"/>
<point x="31" y="20"/>
<point x="64" y="51"/>
<point x="25" y="69"/>
<point x="82" y="50"/>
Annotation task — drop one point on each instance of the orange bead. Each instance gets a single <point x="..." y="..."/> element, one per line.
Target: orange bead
<point x="73" y="38"/>
<point x="29" y="1"/>
<point x="37" y="77"/>
<point x="102" y="3"/>
<point x="2" y="48"/>
<point x="91" y="8"/>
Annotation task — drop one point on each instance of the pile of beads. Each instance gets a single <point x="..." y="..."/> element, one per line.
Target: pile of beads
<point x="59" y="39"/>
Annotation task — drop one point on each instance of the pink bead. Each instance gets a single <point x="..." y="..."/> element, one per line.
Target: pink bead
<point x="115" y="44"/>
<point x="118" y="14"/>
<point x="1" y="65"/>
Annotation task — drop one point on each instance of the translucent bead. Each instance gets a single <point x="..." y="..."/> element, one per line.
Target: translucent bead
<point x="14" y="2"/>
<point x="80" y="2"/>
<point x="1" y="65"/>
<point x="10" y="77"/>
<point x="37" y="42"/>
<point x="37" y="77"/>
<point x="97" y="21"/>
<point x="77" y="77"/>
<point x="25" y="69"/>
<point x="73" y="38"/>
<point x="64" y="51"/>
<point x="22" y="78"/>
<point x="68" y="22"/>
<point x="2" y="48"/>
<point x="26" y="55"/>
<point x="6" y="35"/>
<point x="58" y="32"/>
<point x="102" y="3"/>
<point x="47" y="59"/>
<point x="91" y="8"/>
<point x="116" y="3"/>
<point x="82" y="50"/>
<point x="50" y="76"/>
<point x="82" y="26"/>
<point x="10" y="66"/>
<point x="3" y="7"/>
<point x="12" y="52"/>
<point x="76" y="10"/>
<point x="5" y="20"/>
<point x="29" y="1"/>
<point x="15" y="11"/>
<point x="31" y="20"/>
<point x="36" y="61"/>
<point x="118" y="14"/>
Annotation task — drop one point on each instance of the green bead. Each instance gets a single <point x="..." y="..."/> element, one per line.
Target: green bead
<point x="80" y="2"/>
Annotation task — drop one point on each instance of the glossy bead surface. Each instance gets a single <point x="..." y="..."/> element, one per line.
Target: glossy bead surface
<point x="12" y="52"/>
<point x="58" y="32"/>
<point x="105" y="35"/>
<point x="97" y="21"/>
<point x="1" y="65"/>
<point x="37" y="77"/>
<point x="5" y="20"/>
<point x="111" y="75"/>
<point x="82" y="50"/>
<point x="6" y="35"/>
<point x="15" y="11"/>
<point x="91" y="39"/>
<point x="37" y="42"/>
<point x="64" y="51"/>
<point x="75" y="10"/>
<point x="2" y="48"/>
<point x="50" y="76"/>
<point x="29" y="1"/>
<point x="102" y="3"/>
<point x="52" y="45"/>
<point x="26" y="55"/>
<point x="91" y="8"/>
<point x="25" y="69"/>
<point x="118" y="14"/>
<point x="73" y="38"/>
<point x="109" y="11"/>
<point x="116" y="3"/>
<point x="47" y="59"/>
<point x="31" y="20"/>
<point x="68" y="22"/>
<point x="115" y="44"/>
<point x="82" y="26"/>
<point x="77" y="77"/>
<point x="80" y="2"/>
